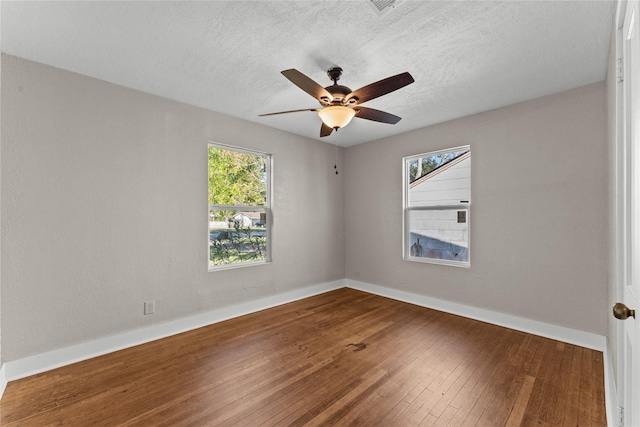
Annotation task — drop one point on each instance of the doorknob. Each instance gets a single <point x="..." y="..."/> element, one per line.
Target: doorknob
<point x="621" y="311"/>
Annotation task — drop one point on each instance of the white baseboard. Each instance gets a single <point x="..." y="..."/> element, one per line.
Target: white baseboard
<point x="38" y="363"/>
<point x="547" y="330"/>
<point x="3" y="380"/>
<point x="610" y="390"/>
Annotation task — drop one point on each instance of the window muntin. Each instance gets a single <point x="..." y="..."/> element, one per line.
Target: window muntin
<point x="239" y="206"/>
<point x="437" y="197"/>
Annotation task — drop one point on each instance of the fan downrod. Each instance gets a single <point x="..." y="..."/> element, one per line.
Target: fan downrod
<point x="334" y="74"/>
<point x="338" y="92"/>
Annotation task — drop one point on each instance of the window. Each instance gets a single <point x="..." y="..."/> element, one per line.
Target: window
<point x="437" y="201"/>
<point x="239" y="206"/>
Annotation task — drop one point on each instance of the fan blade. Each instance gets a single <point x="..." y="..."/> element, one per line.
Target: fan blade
<point x="287" y="112"/>
<point x="307" y="85"/>
<point x="325" y="130"/>
<point x="376" y="115"/>
<point x="381" y="87"/>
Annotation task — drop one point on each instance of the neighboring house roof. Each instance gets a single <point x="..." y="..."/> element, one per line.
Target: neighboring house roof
<point x="251" y="215"/>
<point x="443" y="167"/>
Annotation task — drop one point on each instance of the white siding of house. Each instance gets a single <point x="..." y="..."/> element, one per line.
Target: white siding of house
<point x="448" y="187"/>
<point x="441" y="225"/>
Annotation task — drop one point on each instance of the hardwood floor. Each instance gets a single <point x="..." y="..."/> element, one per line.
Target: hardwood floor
<point x="337" y="359"/>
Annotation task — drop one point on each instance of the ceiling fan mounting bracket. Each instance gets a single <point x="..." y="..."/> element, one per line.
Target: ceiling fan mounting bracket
<point x="334" y="74"/>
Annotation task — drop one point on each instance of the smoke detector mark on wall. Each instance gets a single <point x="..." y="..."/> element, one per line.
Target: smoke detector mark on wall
<point x="383" y="6"/>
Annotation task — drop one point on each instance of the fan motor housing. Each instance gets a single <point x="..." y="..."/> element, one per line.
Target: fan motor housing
<point x="339" y="93"/>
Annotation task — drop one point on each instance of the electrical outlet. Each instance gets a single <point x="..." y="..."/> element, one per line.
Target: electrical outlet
<point x="149" y="307"/>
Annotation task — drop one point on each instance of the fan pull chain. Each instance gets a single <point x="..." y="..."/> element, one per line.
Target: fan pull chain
<point x="335" y="166"/>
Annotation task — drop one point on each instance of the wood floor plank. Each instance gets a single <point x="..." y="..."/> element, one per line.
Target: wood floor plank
<point x="573" y="393"/>
<point x="519" y="408"/>
<point x="476" y="365"/>
<point x="390" y="419"/>
<point x="341" y="358"/>
<point x="387" y="396"/>
<point x="467" y="398"/>
<point x="597" y="384"/>
<point x="446" y="416"/>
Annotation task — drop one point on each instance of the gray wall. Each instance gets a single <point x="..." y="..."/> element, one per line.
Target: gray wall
<point x="539" y="239"/>
<point x="104" y="206"/>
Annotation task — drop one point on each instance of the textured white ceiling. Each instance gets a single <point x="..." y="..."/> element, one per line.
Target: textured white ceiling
<point x="466" y="56"/>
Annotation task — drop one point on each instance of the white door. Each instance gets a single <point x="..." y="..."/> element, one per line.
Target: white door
<point x="629" y="295"/>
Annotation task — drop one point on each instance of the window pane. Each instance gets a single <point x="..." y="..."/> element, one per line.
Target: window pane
<point x="438" y="179"/>
<point x="237" y="236"/>
<point x="237" y="178"/>
<point x="439" y="234"/>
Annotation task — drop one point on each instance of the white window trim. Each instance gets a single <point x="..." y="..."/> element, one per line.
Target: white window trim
<point x="266" y="207"/>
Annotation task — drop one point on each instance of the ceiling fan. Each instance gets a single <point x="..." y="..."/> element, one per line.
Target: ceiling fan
<point x="340" y="104"/>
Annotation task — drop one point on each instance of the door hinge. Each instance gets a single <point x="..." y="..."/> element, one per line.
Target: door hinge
<point x="619" y="70"/>
<point x="620" y="420"/>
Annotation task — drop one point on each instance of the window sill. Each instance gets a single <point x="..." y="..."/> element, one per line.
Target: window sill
<point x="238" y="265"/>
<point x="439" y="261"/>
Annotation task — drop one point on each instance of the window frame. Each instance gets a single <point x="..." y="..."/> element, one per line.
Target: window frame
<point x="245" y="208"/>
<point x="406" y="227"/>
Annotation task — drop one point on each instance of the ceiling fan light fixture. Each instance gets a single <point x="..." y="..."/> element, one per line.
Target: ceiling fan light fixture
<point x="336" y="116"/>
<point x="341" y="104"/>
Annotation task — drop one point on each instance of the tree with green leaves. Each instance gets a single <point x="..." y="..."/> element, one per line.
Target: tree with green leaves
<point x="236" y="178"/>
<point x="421" y="166"/>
